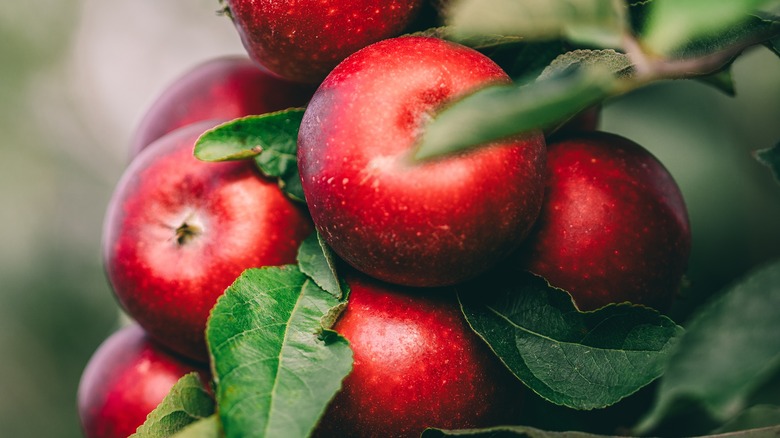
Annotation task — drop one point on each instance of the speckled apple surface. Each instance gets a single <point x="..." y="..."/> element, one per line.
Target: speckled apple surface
<point x="179" y="231"/>
<point x="125" y="379"/>
<point x="421" y="224"/>
<point x="302" y="40"/>
<point x="417" y="364"/>
<point x="614" y="226"/>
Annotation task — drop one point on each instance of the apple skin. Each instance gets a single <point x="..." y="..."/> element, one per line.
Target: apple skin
<point x="614" y="226"/>
<point x="303" y="40"/>
<point x="417" y="364"/>
<point x="227" y="87"/>
<point x="179" y="231"/>
<point x="434" y="223"/>
<point x="124" y="380"/>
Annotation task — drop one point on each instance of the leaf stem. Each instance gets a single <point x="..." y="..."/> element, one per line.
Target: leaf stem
<point x="649" y="67"/>
<point x="638" y="57"/>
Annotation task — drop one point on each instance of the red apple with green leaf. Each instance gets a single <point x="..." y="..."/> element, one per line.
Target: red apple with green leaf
<point x="303" y="40"/>
<point x="222" y="88"/>
<point x="429" y="223"/>
<point x="179" y="231"/>
<point x="125" y="379"/>
<point x="614" y="226"/>
<point x="417" y="364"/>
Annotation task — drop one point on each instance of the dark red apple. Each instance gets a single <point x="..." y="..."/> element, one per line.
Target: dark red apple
<point x="417" y="364"/>
<point x="302" y="40"/>
<point x="614" y="226"/>
<point x="126" y="378"/>
<point x="222" y="88"/>
<point x="420" y="224"/>
<point x="179" y="231"/>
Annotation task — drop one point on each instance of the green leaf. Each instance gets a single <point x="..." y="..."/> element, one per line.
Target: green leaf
<point x="673" y="24"/>
<point x="637" y="12"/>
<point x="592" y="22"/>
<point x="530" y="59"/>
<point x="187" y="402"/>
<point x="512" y="110"/>
<point x="582" y="360"/>
<point x="616" y="63"/>
<point x="752" y="418"/>
<point x="477" y="42"/>
<point x="290" y="183"/>
<point x="722" y="80"/>
<point x="529" y="432"/>
<point x="774" y="45"/>
<point x="249" y="136"/>
<point x="205" y="428"/>
<point x="316" y="259"/>
<point x="764" y="432"/>
<point x="770" y="157"/>
<point x="730" y="348"/>
<point x="271" y="139"/>
<point x="752" y="30"/>
<point x="275" y="375"/>
<point x="505" y="432"/>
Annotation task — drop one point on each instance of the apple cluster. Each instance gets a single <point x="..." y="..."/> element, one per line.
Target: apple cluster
<point x="593" y="213"/>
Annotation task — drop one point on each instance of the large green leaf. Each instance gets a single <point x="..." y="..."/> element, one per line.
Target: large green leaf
<point x="498" y="112"/>
<point x="673" y="24"/>
<point x="271" y="139"/>
<point x="275" y="365"/>
<point x="730" y="348"/>
<point x="187" y="402"/>
<point x="582" y="360"/>
<point x="593" y="22"/>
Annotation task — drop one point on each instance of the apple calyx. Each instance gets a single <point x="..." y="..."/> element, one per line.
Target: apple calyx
<point x="186" y="232"/>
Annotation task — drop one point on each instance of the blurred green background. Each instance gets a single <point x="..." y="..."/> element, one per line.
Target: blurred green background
<point x="75" y="78"/>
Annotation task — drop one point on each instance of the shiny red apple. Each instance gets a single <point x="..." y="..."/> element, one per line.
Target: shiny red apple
<point x="417" y="364"/>
<point x="125" y="379"/>
<point x="614" y="226"/>
<point x="179" y="231"/>
<point x="429" y="223"/>
<point x="222" y="88"/>
<point x="303" y="40"/>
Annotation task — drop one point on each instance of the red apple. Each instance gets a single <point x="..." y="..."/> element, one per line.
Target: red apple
<point x="614" y="226"/>
<point x="303" y="40"/>
<point x="222" y="88"/>
<point x="420" y="224"/>
<point x="126" y="378"/>
<point x="179" y="231"/>
<point x="417" y="364"/>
